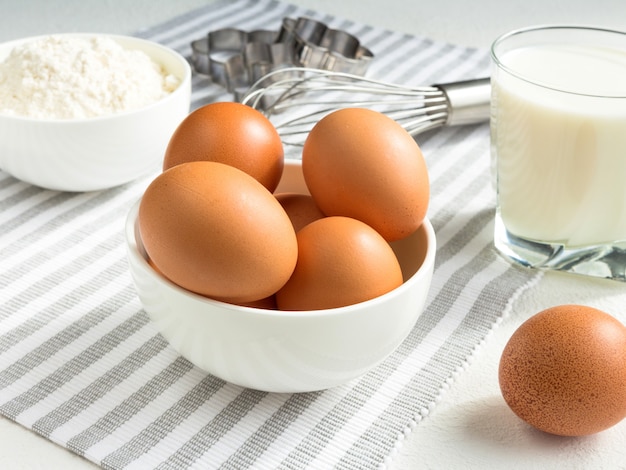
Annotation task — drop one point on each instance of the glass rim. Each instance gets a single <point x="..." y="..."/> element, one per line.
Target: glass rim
<point x="547" y="27"/>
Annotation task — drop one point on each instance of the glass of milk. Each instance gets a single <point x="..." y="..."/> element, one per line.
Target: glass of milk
<point x="558" y="138"/>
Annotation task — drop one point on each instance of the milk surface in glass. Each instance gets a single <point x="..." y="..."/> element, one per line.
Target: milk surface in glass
<point x="559" y="142"/>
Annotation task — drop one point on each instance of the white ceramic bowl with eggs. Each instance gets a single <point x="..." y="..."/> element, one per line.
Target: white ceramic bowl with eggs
<point x="100" y="152"/>
<point x="286" y="351"/>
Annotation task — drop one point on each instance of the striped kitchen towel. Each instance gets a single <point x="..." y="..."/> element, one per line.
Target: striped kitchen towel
<point x="81" y="364"/>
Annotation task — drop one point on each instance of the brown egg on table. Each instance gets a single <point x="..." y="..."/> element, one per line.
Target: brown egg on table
<point x="216" y="231"/>
<point x="362" y="164"/>
<point x="301" y="208"/>
<point x="341" y="261"/>
<point x="563" y="371"/>
<point x="230" y="133"/>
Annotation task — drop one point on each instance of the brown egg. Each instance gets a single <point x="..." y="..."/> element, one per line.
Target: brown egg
<point x="301" y="208"/>
<point x="362" y="164"/>
<point x="341" y="261"/>
<point x="564" y="371"/>
<point x="268" y="303"/>
<point x="230" y="133"/>
<point x="216" y="231"/>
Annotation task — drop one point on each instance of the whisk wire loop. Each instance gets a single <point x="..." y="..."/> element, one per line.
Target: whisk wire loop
<point x="296" y="98"/>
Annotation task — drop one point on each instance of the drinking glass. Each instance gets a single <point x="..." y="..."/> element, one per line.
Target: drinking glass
<point x="558" y="146"/>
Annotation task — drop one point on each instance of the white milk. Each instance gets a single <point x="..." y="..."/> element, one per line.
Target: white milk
<point x="561" y="157"/>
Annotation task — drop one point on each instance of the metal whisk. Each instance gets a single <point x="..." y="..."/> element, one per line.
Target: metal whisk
<point x="296" y="98"/>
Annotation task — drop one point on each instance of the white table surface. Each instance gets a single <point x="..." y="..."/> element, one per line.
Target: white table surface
<point x="471" y="427"/>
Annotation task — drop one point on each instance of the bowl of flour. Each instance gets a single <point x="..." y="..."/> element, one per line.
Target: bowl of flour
<point x="85" y="112"/>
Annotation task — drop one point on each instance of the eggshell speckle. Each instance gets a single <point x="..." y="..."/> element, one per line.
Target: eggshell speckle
<point x="341" y="261"/>
<point x="230" y="133"/>
<point x="564" y="371"/>
<point x="362" y="164"/>
<point x="216" y="231"/>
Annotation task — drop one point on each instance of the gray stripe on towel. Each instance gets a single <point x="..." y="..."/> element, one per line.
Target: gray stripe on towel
<point x="15" y="335"/>
<point x="215" y="429"/>
<point x="152" y="434"/>
<point x="136" y="402"/>
<point x="100" y="387"/>
<point x="78" y="363"/>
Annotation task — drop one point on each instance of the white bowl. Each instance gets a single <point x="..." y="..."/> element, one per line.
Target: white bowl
<point x="284" y="351"/>
<point x="100" y="152"/>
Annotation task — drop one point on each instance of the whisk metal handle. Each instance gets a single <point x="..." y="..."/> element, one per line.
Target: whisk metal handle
<point x="468" y="101"/>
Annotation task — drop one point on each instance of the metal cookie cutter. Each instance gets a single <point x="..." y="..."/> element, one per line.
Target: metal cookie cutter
<point x="315" y="45"/>
<point x="210" y="53"/>
<point x="236" y="59"/>
<point x="228" y="49"/>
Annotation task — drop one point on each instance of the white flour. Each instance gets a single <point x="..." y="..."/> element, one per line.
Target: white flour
<point x="70" y="77"/>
